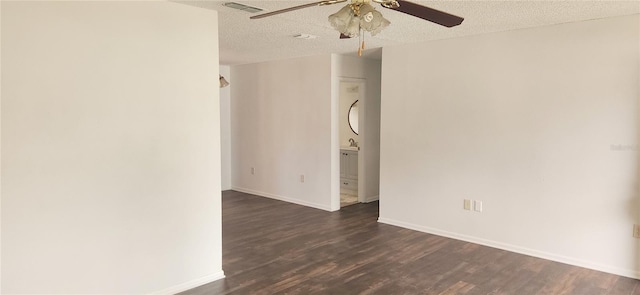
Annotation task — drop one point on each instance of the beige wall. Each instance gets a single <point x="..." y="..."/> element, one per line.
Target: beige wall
<point x="225" y="129"/>
<point x="528" y="122"/>
<point x="280" y="125"/>
<point x="286" y="125"/>
<point x="110" y="147"/>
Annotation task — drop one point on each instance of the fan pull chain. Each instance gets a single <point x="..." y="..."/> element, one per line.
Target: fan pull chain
<point x="361" y="39"/>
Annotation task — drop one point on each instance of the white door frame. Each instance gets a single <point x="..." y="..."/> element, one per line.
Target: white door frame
<point x="361" y="136"/>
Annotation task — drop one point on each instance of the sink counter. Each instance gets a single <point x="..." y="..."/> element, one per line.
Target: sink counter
<point x="350" y="148"/>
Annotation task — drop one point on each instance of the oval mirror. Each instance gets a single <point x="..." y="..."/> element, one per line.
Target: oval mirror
<point x="353" y="117"/>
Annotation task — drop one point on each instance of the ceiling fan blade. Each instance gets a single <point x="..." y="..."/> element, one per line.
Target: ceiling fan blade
<point x="320" y="3"/>
<point x="430" y="14"/>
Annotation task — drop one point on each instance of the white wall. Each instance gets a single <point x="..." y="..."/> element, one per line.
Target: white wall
<point x="525" y="122"/>
<point x="225" y="129"/>
<point x="111" y="154"/>
<point x="369" y="137"/>
<point x="281" y="126"/>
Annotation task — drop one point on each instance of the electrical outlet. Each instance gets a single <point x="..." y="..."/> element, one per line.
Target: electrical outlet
<point x="301" y="177"/>
<point x="636" y="231"/>
<point x="467" y="204"/>
<point x="253" y="171"/>
<point x="477" y="206"/>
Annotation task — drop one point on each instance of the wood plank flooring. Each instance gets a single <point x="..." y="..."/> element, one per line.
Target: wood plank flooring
<point x="347" y="200"/>
<point x="273" y="247"/>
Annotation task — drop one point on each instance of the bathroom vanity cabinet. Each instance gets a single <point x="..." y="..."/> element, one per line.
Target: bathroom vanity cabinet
<point x="349" y="169"/>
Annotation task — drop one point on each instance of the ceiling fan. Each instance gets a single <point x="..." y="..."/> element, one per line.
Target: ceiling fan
<point x="360" y="15"/>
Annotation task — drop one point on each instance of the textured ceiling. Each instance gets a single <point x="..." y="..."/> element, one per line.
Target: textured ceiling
<point x="248" y="41"/>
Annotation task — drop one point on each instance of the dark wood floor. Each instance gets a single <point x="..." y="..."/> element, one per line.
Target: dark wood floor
<point x="273" y="247"/>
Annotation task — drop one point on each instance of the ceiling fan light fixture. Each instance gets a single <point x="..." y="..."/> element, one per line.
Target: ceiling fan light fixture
<point x="388" y="3"/>
<point x="352" y="18"/>
<point x="372" y="20"/>
<point x="345" y="22"/>
<point x="359" y="16"/>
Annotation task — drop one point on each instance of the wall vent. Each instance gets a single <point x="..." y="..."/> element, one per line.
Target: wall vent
<point x="242" y="7"/>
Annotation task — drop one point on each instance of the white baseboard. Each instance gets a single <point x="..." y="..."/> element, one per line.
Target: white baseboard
<point x="192" y="284"/>
<point x="282" y="198"/>
<point x="371" y="199"/>
<point x="631" y="273"/>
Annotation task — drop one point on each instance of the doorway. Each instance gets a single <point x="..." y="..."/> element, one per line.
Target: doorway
<point x="351" y="99"/>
